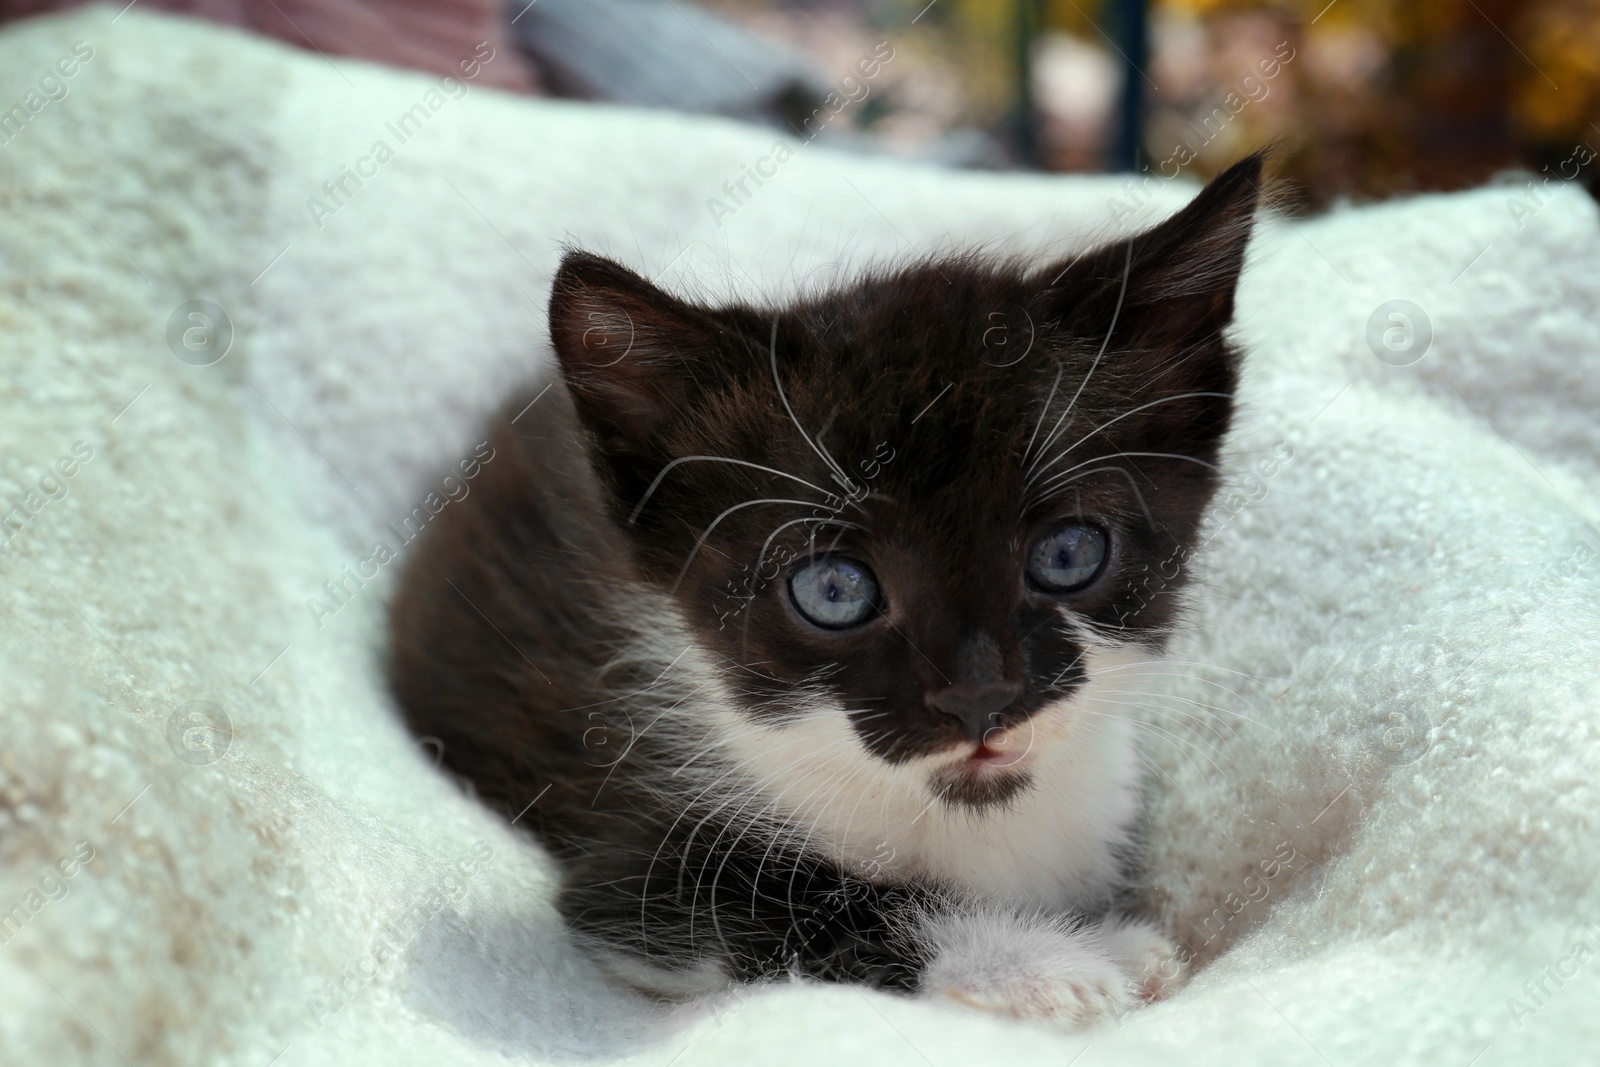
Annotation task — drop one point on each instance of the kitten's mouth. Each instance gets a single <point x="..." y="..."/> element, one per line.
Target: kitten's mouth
<point x="988" y="774"/>
<point x="999" y="750"/>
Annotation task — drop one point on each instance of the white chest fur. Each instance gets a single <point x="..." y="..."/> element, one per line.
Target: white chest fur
<point x="1054" y="846"/>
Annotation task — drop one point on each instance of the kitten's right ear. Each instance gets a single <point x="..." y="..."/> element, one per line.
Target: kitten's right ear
<point x="626" y="350"/>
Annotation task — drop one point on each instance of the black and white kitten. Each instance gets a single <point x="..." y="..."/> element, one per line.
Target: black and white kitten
<point x="815" y="630"/>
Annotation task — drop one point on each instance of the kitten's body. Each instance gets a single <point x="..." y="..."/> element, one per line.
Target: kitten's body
<point x="939" y="797"/>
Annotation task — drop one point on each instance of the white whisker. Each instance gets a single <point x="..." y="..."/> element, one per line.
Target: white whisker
<point x="839" y="475"/>
<point x="648" y="493"/>
<point x="1061" y="369"/>
<point x="695" y="551"/>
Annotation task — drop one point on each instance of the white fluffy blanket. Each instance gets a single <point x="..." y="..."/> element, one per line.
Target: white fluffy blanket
<point x="1374" y="810"/>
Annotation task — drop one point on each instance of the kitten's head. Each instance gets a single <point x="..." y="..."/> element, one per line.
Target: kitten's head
<point x="924" y="501"/>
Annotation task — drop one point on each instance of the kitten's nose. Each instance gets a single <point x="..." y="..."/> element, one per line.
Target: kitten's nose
<point x="975" y="705"/>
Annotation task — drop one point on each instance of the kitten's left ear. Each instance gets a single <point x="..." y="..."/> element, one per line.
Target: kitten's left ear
<point x="1170" y="289"/>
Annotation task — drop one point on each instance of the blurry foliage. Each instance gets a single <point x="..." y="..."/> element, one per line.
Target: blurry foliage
<point x="954" y="69"/>
<point x="1380" y="96"/>
<point x="1388" y="96"/>
<point x="1563" y="38"/>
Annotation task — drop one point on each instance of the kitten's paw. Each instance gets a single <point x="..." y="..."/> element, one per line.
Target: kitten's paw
<point x="1028" y="969"/>
<point x="1150" y="959"/>
<point x="1076" y="1000"/>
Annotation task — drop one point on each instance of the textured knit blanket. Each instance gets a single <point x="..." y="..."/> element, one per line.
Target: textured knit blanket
<point x="253" y="305"/>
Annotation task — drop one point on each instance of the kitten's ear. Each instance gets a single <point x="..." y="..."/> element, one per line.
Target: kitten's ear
<point x="1180" y="276"/>
<point x="626" y="349"/>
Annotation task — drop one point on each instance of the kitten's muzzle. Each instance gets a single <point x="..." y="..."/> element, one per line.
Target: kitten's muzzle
<point x="976" y="706"/>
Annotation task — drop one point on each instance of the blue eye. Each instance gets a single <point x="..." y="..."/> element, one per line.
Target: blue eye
<point x="1068" y="558"/>
<point x="834" y="592"/>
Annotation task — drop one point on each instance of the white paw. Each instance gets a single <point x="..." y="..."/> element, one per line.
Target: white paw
<point x="1028" y="968"/>
<point x="1074" y="999"/>
<point x="1146" y="955"/>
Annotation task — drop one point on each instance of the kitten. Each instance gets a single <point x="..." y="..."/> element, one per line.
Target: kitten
<point x="805" y="637"/>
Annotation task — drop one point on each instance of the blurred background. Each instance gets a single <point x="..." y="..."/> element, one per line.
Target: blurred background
<point x="1365" y="98"/>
